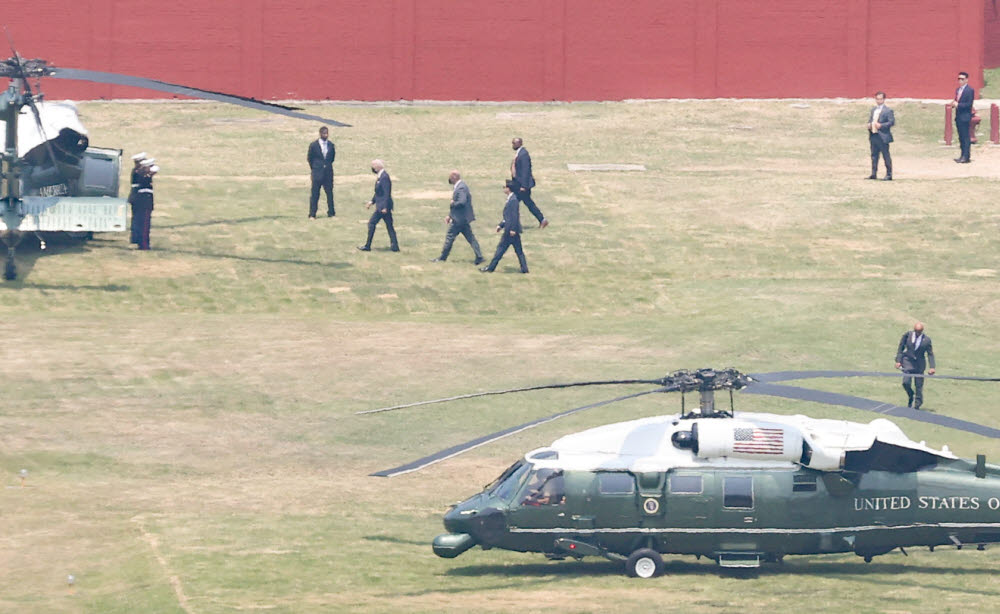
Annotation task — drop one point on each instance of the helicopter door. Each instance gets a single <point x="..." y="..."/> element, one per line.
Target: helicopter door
<point x="688" y="499"/>
<point x="738" y="509"/>
<point x="542" y="501"/>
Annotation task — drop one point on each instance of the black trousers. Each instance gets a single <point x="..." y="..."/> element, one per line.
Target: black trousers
<point x="141" y="220"/>
<point x="880" y="148"/>
<point x="455" y="229"/>
<point x="134" y="226"/>
<point x="374" y="220"/>
<point x="525" y="197"/>
<point x="506" y="241"/>
<point x="916" y="397"/>
<point x="327" y="184"/>
<point x="964" y="140"/>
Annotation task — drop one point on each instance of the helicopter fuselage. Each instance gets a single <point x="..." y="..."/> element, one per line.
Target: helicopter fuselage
<point x="738" y="512"/>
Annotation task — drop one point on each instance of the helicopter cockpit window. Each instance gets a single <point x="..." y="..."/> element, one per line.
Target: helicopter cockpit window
<point x="738" y="493"/>
<point x="509" y="481"/>
<point x="616" y="483"/>
<point x="685" y="484"/>
<point x="545" y="487"/>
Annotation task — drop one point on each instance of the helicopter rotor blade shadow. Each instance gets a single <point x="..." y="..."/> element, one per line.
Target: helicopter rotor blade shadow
<point x="886" y="409"/>
<point x="453" y="451"/>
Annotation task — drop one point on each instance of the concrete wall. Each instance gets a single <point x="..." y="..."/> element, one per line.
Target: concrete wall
<point x="510" y="50"/>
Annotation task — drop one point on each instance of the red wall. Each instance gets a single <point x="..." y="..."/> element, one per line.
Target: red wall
<point x="992" y="19"/>
<point x="510" y="50"/>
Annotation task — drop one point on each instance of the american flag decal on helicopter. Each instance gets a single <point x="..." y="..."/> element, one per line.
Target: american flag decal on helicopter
<point x="753" y="440"/>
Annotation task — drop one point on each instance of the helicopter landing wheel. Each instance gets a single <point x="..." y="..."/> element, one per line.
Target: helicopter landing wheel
<point x="644" y="563"/>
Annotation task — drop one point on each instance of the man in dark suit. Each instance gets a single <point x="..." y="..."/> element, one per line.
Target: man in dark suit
<point x="382" y="200"/>
<point x="964" y="95"/>
<point x="915" y="352"/>
<point x="460" y="218"/>
<point x="510" y="229"/>
<point x="320" y="157"/>
<point x="520" y="171"/>
<point x="880" y="122"/>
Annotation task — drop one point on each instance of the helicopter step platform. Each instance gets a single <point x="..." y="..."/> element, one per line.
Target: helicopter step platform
<point x="72" y="214"/>
<point x="739" y="560"/>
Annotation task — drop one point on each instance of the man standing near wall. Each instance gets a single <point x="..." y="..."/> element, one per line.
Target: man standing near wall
<point x="964" y="95"/>
<point x="880" y="122"/>
<point x="320" y="157"/>
<point x="520" y="171"/>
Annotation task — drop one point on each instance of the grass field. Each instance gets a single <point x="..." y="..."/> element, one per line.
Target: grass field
<point x="186" y="415"/>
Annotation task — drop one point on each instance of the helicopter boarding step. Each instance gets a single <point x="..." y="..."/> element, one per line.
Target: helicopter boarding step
<point x="739" y="559"/>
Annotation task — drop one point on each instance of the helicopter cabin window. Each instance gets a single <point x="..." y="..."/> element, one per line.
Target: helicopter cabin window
<point x="685" y="484"/>
<point x="738" y="493"/>
<point x="616" y="483"/>
<point x="545" y="487"/>
<point x="804" y="483"/>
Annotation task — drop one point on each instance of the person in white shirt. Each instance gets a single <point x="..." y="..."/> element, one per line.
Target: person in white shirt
<point x="880" y="122"/>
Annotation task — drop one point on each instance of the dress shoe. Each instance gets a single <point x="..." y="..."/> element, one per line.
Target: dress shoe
<point x="871" y="177"/>
<point x="486" y="269"/>
<point x="394" y="248"/>
<point x="887" y="178"/>
<point x="543" y="223"/>
<point x="964" y="161"/>
<point x="917" y="404"/>
<point x="364" y="248"/>
<point x="437" y="260"/>
<point x="331" y="215"/>
<point x="479" y="261"/>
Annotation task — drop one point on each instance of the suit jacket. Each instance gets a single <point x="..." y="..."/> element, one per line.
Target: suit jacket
<point x="383" y="191"/>
<point x="915" y="358"/>
<point x="521" y="169"/>
<point x="461" y="204"/>
<point x="319" y="164"/>
<point x="511" y="215"/>
<point x="887" y="119"/>
<point x="963" y="110"/>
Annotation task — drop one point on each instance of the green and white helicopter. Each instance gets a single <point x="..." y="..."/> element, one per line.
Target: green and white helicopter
<point x="739" y="488"/>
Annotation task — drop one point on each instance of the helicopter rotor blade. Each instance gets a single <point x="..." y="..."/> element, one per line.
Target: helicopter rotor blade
<point x="509" y="390"/>
<point x="782" y="376"/>
<point x="453" y="451"/>
<point x="172" y="88"/>
<point x="887" y="409"/>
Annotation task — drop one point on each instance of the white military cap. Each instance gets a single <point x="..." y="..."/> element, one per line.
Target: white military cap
<point x="148" y="162"/>
<point x="139" y="156"/>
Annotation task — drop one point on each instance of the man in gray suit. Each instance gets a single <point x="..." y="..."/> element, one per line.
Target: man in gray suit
<point x="913" y="355"/>
<point x="880" y="122"/>
<point x="460" y="218"/>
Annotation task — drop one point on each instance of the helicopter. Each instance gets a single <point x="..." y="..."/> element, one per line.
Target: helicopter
<point x="741" y="488"/>
<point x="51" y="179"/>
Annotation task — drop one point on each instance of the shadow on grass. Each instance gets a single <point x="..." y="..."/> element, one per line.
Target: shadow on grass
<point x="397" y="540"/>
<point x="29" y="250"/>
<point x="242" y="220"/>
<point x="185" y="252"/>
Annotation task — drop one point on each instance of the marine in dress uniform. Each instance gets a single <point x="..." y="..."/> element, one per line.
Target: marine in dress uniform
<point x="143" y="205"/>
<point x="137" y="160"/>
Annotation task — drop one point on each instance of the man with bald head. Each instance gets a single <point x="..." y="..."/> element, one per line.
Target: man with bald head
<point x="459" y="219"/>
<point x="915" y="353"/>
<point x="382" y="201"/>
<point x="520" y="171"/>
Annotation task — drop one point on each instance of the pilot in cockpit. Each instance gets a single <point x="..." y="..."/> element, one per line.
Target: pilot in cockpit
<point x="547" y="488"/>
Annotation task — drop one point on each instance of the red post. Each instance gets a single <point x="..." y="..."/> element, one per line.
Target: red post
<point x="947" y="125"/>
<point x="994" y="124"/>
